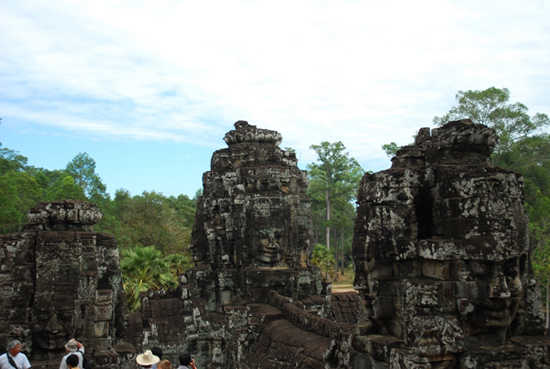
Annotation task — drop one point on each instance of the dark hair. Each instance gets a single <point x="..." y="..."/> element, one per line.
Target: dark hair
<point x="72" y="360"/>
<point x="185" y="359"/>
<point x="157" y="351"/>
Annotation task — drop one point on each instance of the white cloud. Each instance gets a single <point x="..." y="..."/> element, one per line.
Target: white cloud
<point x="363" y="72"/>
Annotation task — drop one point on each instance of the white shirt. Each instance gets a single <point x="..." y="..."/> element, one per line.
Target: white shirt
<point x="20" y="360"/>
<point x="79" y="353"/>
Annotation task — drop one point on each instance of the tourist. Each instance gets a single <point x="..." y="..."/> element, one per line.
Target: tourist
<point x="73" y="347"/>
<point x="164" y="364"/>
<point x="14" y="357"/>
<point x="187" y="362"/>
<point x="157" y="351"/>
<point x="73" y="361"/>
<point x="146" y="360"/>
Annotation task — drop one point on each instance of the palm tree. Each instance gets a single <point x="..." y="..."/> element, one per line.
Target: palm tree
<point x="178" y="263"/>
<point x="144" y="269"/>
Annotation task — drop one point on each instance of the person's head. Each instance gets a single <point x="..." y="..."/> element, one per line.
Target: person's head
<point x="185" y="359"/>
<point x="14" y="347"/>
<point x="71" y="346"/>
<point x="147" y="359"/>
<point x="157" y="351"/>
<point x="164" y="364"/>
<point x="72" y="361"/>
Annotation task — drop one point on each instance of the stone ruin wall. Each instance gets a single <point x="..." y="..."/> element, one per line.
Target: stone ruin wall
<point x="59" y="279"/>
<point x="429" y="233"/>
<point x="251" y="239"/>
<point x="443" y="262"/>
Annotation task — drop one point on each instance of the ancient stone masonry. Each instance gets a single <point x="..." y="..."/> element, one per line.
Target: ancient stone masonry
<point x="253" y="221"/>
<point x="254" y="211"/>
<point x="442" y="261"/>
<point x="59" y="280"/>
<point x="440" y="247"/>
<point x="251" y="238"/>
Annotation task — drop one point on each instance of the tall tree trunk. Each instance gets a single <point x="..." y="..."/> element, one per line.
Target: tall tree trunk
<point x="342" y="248"/>
<point x="336" y="255"/>
<point x="315" y="232"/>
<point x="547" y="326"/>
<point x="327" y="199"/>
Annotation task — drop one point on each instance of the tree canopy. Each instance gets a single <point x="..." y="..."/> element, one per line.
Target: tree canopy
<point x="522" y="139"/>
<point x="335" y="176"/>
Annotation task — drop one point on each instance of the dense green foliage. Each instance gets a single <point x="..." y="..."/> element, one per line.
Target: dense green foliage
<point x="152" y="231"/>
<point x="144" y="268"/>
<point x="324" y="259"/>
<point x="334" y="182"/>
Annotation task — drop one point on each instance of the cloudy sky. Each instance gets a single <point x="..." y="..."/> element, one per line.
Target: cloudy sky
<point x="149" y="88"/>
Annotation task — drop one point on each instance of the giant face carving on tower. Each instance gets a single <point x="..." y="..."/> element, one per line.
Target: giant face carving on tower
<point x="52" y="325"/>
<point x="77" y="289"/>
<point x="254" y="211"/>
<point x="441" y="238"/>
<point x="488" y="297"/>
<point x="267" y="226"/>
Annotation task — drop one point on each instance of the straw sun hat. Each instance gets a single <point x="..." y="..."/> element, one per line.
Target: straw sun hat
<point x="147" y="358"/>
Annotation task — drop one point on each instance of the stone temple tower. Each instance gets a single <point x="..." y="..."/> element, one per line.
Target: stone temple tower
<point x="62" y="280"/>
<point x="254" y="211"/>
<point x="442" y="258"/>
<point x="254" y="215"/>
<point x="251" y="241"/>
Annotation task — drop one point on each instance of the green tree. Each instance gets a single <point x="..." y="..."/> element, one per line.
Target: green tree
<point x="19" y="191"/>
<point x="324" y="259"/>
<point x="152" y="219"/>
<point x="65" y="188"/>
<point x="391" y="149"/>
<point x="11" y="160"/>
<point x="336" y="176"/>
<point x="343" y="223"/>
<point x="144" y="269"/>
<point x="513" y="125"/>
<point x="185" y="208"/>
<point x="82" y="169"/>
<point x="178" y="263"/>
<point x="47" y="180"/>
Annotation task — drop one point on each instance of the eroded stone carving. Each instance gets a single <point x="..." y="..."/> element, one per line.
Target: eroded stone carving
<point x="67" y="284"/>
<point x="442" y="255"/>
<point x="251" y="235"/>
<point x="251" y="241"/>
<point x="254" y="210"/>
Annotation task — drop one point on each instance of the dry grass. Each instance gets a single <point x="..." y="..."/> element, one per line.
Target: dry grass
<point x="345" y="282"/>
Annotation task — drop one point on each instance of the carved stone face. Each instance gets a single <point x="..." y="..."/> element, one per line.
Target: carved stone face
<point x="52" y="325"/>
<point x="443" y="236"/>
<point x="267" y="232"/>
<point x="484" y="294"/>
<point x="491" y="303"/>
<point x="269" y="245"/>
